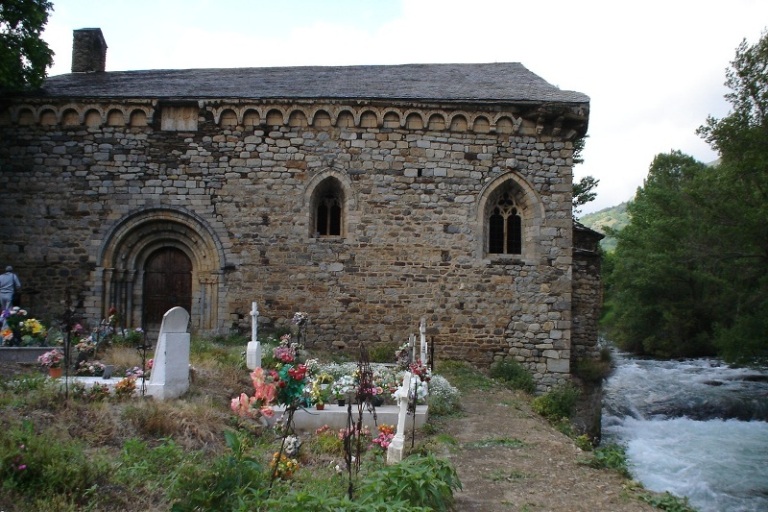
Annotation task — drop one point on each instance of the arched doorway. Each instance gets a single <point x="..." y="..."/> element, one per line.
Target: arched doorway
<point x="167" y="283"/>
<point x="157" y="258"/>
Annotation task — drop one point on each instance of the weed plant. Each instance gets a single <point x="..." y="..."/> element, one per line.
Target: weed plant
<point x="610" y="456"/>
<point x="557" y="403"/>
<point x="514" y="375"/>
<point x="667" y="502"/>
<point x="421" y="481"/>
<point x="593" y="371"/>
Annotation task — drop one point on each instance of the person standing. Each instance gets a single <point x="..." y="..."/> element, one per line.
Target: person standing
<point x="9" y="285"/>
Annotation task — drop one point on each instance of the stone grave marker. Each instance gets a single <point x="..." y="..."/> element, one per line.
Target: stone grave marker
<point x="424" y="348"/>
<point x="170" y="371"/>
<point x="395" y="448"/>
<point x="253" y="352"/>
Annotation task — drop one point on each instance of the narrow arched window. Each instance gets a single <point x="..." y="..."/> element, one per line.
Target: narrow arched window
<point x="328" y="206"/>
<point x="505" y="227"/>
<point x="328" y="216"/>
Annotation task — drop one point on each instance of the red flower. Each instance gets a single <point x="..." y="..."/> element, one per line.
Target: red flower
<point x="298" y="372"/>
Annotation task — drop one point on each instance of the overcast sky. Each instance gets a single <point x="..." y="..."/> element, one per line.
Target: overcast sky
<point x="654" y="70"/>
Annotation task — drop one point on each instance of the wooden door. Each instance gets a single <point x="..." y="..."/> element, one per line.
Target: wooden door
<point x="167" y="283"/>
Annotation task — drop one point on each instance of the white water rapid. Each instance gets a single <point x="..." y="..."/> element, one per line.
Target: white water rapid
<point x="696" y="428"/>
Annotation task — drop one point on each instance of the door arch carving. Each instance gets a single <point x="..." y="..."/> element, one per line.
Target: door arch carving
<point x="131" y="262"/>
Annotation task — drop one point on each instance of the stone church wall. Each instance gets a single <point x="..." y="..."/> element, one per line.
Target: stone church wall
<point x="414" y="181"/>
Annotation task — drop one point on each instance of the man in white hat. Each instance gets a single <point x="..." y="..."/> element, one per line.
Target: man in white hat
<point x="9" y="284"/>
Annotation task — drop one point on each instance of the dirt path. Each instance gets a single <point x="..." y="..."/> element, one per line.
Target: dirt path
<point x="510" y="459"/>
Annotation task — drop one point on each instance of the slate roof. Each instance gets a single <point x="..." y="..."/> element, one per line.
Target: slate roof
<point x="494" y="82"/>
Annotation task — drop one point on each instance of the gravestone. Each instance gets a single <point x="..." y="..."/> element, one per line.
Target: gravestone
<point x="423" y="341"/>
<point x="253" y="352"/>
<point x="395" y="448"/>
<point x="170" y="371"/>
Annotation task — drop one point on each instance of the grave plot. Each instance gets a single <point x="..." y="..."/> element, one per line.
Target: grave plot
<point x="304" y="395"/>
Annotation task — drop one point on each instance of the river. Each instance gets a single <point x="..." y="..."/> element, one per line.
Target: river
<point x="696" y="428"/>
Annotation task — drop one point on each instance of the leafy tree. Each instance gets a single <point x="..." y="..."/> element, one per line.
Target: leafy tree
<point x="24" y="56"/>
<point x="660" y="297"/>
<point x="583" y="190"/>
<point x="738" y="205"/>
<point x="690" y="271"/>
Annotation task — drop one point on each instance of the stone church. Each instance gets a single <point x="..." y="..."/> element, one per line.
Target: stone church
<point x="367" y="196"/>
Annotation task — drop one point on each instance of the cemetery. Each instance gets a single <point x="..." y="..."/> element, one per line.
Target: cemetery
<point x="116" y="431"/>
<point x="291" y="396"/>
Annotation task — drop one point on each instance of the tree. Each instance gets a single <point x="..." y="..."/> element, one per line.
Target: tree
<point x="660" y="298"/>
<point x="583" y="190"/>
<point x="24" y="56"/>
<point x="738" y="207"/>
<point x="691" y="267"/>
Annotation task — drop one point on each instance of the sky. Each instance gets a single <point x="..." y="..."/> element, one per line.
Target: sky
<point x="654" y="70"/>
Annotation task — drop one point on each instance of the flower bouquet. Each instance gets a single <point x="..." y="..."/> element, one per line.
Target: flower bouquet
<point x="343" y="386"/>
<point x="285" y="352"/>
<point x="90" y="368"/>
<point x="51" y="359"/>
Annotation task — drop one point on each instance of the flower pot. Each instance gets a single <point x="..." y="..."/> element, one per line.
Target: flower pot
<point x="320" y="407"/>
<point x="55" y="373"/>
<point x="342" y="402"/>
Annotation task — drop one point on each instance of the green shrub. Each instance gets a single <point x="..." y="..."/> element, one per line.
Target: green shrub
<point x="382" y="353"/>
<point x="422" y="481"/>
<point x="584" y="442"/>
<point x="305" y="501"/>
<point x="591" y="370"/>
<point x="157" y="465"/>
<point x="557" y="403"/>
<point x="668" y="502"/>
<point x="514" y="375"/>
<point x="228" y="481"/>
<point x="42" y="463"/>
<point x="610" y="456"/>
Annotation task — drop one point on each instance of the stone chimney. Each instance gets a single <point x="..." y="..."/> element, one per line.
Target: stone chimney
<point x="89" y="50"/>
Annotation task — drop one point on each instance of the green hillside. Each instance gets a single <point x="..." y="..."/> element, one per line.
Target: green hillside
<point x="605" y="220"/>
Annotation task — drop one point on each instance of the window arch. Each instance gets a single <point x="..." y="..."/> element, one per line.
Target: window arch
<point x="505" y="227"/>
<point x="510" y="216"/>
<point x="328" y="208"/>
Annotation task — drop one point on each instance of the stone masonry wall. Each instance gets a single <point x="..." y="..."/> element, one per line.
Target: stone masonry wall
<point x="587" y="293"/>
<point x="413" y="239"/>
